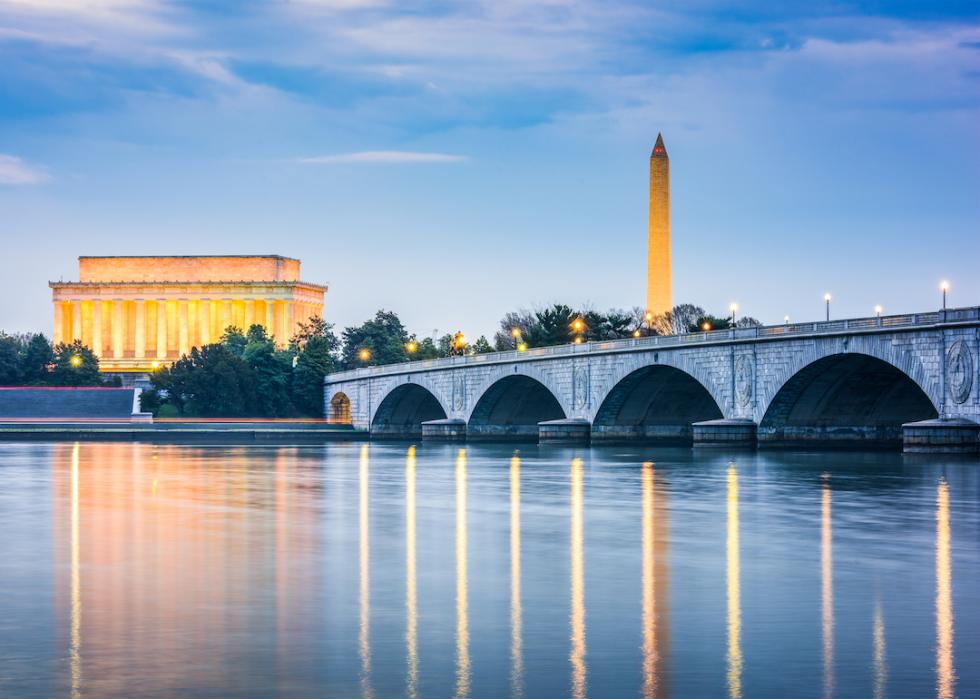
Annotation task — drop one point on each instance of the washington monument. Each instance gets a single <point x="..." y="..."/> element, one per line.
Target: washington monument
<point x="658" y="232"/>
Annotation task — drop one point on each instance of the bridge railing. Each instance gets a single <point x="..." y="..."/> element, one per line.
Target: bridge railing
<point x="873" y="324"/>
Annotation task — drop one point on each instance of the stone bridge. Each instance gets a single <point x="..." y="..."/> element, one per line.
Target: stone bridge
<point x="860" y="382"/>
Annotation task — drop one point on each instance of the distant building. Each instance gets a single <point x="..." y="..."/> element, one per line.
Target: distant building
<point x="659" y="299"/>
<point x="137" y="313"/>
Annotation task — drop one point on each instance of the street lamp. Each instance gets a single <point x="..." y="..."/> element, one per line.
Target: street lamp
<point x="648" y="317"/>
<point x="522" y="347"/>
<point x="75" y="360"/>
<point x="878" y="310"/>
<point x="785" y="320"/>
<point x="733" y="307"/>
<point x="706" y="326"/>
<point x="364" y="354"/>
<point x="944" y="285"/>
<point x="636" y="333"/>
<point x="826" y="298"/>
<point x="410" y="346"/>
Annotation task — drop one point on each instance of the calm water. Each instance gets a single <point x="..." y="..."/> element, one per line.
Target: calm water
<point x="352" y="570"/>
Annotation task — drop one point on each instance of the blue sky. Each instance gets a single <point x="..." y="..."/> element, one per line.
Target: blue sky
<point x="454" y="161"/>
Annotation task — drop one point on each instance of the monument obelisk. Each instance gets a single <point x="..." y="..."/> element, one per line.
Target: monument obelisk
<point x="658" y="232"/>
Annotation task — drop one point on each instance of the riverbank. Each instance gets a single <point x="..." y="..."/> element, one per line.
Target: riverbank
<point x="225" y="432"/>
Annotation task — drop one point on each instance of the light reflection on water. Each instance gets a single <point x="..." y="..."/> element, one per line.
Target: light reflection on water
<point x="389" y="570"/>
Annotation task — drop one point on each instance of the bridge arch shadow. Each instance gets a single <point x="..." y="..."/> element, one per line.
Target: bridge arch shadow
<point x="511" y="408"/>
<point x="656" y="403"/>
<point x="402" y="412"/>
<point x="847" y="399"/>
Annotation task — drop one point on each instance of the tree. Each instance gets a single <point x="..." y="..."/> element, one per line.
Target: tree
<point x="10" y="350"/>
<point x="553" y="326"/>
<point x="685" y="316"/>
<point x="383" y="336"/>
<point x="74" y="365"/>
<point x="234" y="340"/>
<point x="709" y="322"/>
<point x="427" y="349"/>
<point x="273" y="373"/>
<point x="524" y="322"/>
<point x="36" y="356"/>
<point x="481" y="346"/>
<point x="748" y="322"/>
<point x="315" y="362"/>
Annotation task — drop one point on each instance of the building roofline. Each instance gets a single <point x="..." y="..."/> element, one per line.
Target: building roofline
<point x="185" y="257"/>
<point x="237" y="282"/>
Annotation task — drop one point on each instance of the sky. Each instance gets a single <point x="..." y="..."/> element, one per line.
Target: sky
<point x="456" y="161"/>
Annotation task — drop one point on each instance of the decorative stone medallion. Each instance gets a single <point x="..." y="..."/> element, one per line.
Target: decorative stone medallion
<point x="743" y="380"/>
<point x="580" y="387"/>
<point x="959" y="371"/>
<point x="459" y="393"/>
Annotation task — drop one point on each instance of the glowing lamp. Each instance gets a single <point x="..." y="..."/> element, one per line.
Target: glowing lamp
<point x="364" y="354"/>
<point x="76" y="360"/>
<point x="516" y="332"/>
<point x="410" y="346"/>
<point x="521" y="346"/>
<point x="706" y="326"/>
<point x="636" y="333"/>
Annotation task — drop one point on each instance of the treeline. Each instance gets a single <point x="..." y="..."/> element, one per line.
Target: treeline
<point x="31" y="360"/>
<point x="245" y="375"/>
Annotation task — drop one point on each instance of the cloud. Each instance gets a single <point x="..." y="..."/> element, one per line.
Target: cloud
<point x="15" y="171"/>
<point x="384" y="156"/>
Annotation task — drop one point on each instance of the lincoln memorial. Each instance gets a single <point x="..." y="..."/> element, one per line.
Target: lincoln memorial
<point x="137" y="313"/>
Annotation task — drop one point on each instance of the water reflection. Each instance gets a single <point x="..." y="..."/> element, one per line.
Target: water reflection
<point x="462" y="601"/>
<point x="655" y="571"/>
<point x="75" y="642"/>
<point x="248" y="572"/>
<point x="734" y="591"/>
<point x="516" y="620"/>
<point x="364" y="597"/>
<point x="826" y="587"/>
<point x="411" y="597"/>
<point x="880" y="667"/>
<point x="945" y="676"/>
<point x="577" y="655"/>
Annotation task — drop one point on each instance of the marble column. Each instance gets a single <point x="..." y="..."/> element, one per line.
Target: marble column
<point x="139" y="346"/>
<point x="161" y="329"/>
<point x="76" y="320"/>
<point x="225" y="316"/>
<point x="249" y="314"/>
<point x="270" y="317"/>
<point x="97" y="346"/>
<point x="59" y="322"/>
<point x="118" y="328"/>
<point x="290" y="329"/>
<point x="204" y="320"/>
<point x="183" y="331"/>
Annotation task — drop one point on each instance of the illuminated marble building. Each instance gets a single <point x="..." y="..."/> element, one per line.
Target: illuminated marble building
<point x="137" y="313"/>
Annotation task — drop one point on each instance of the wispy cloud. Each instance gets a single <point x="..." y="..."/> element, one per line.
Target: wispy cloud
<point x="384" y="156"/>
<point x="14" y="171"/>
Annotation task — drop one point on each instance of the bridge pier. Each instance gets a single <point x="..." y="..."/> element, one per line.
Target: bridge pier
<point x="448" y="430"/>
<point x="575" y="431"/>
<point x="725" y="433"/>
<point x="941" y="436"/>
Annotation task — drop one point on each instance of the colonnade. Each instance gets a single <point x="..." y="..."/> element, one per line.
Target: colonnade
<point x="165" y="329"/>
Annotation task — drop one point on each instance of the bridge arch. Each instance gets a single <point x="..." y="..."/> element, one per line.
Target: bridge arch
<point x="338" y="409"/>
<point x="404" y="408"/>
<point x="847" y="398"/>
<point x="656" y="402"/>
<point x="511" y="407"/>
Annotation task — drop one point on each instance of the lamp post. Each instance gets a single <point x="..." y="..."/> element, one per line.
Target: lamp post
<point x="944" y="285"/>
<point x="785" y="320"/>
<point x="826" y="298"/>
<point x="364" y="354"/>
<point x="878" y="311"/>
<point x="648" y="318"/>
<point x="733" y="307"/>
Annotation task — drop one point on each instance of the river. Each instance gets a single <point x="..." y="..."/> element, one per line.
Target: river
<point x="389" y="570"/>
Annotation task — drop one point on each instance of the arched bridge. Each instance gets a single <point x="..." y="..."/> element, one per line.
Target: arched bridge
<point x="841" y="382"/>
